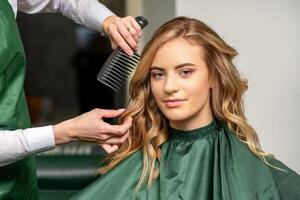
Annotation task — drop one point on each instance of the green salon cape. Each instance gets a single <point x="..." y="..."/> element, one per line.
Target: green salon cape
<point x="206" y="163"/>
<point x="17" y="180"/>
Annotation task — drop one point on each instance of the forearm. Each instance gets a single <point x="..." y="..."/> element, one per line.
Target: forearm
<point x="15" y="145"/>
<point x="89" y="13"/>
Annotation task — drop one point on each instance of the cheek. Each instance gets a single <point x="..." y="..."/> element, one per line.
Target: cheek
<point x="157" y="92"/>
<point x="199" y="91"/>
<point x="154" y="90"/>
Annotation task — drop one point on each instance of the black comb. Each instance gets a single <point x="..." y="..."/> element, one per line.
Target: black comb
<point x="119" y="65"/>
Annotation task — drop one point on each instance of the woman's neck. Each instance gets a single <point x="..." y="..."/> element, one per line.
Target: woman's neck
<point x="203" y="118"/>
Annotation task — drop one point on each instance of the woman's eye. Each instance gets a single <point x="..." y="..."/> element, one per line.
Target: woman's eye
<point x="185" y="73"/>
<point x="156" y="75"/>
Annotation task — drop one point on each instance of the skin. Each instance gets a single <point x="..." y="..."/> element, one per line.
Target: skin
<point x="123" y="32"/>
<point x="180" y="84"/>
<point x="90" y="127"/>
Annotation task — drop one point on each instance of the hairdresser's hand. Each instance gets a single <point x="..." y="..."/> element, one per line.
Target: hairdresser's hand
<point x="123" y="32"/>
<point x="90" y="127"/>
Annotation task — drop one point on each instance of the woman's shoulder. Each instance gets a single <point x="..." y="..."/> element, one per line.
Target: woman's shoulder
<point x="266" y="176"/>
<point x="132" y="163"/>
<point x="123" y="177"/>
<point x="287" y="180"/>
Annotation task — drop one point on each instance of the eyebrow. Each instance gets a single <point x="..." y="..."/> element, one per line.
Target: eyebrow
<point x="176" y="67"/>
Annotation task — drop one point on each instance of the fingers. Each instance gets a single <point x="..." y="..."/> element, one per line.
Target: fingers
<point x="112" y="144"/>
<point x="117" y="130"/>
<point x="122" y="37"/>
<point x="133" y="27"/>
<point x="106" y="113"/>
<point x="110" y="148"/>
<point x="137" y="28"/>
<point x="125" y="32"/>
<point x="117" y="139"/>
<point x="108" y="129"/>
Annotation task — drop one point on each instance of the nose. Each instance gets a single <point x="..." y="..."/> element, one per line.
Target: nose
<point x="171" y="84"/>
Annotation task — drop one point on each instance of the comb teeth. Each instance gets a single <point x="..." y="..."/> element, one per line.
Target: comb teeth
<point x="117" y="68"/>
<point x="119" y="65"/>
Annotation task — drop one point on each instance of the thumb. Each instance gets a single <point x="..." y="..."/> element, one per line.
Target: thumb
<point x="109" y="148"/>
<point x="111" y="113"/>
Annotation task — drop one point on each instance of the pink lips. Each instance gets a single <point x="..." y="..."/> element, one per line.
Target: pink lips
<point x="173" y="103"/>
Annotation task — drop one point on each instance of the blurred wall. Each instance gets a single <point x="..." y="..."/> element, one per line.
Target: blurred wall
<point x="266" y="34"/>
<point x="155" y="11"/>
<point x="51" y="44"/>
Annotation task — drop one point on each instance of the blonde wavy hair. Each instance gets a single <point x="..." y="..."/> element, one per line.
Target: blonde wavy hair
<point x="149" y="129"/>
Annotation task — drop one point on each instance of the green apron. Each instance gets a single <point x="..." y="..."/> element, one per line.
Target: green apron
<point x="207" y="163"/>
<point x="17" y="180"/>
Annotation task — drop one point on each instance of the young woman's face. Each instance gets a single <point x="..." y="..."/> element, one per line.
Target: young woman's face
<point x="180" y="84"/>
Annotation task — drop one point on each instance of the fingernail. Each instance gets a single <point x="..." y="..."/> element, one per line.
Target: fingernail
<point x="130" y="53"/>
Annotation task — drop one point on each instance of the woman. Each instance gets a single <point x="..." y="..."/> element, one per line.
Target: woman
<point x="190" y="138"/>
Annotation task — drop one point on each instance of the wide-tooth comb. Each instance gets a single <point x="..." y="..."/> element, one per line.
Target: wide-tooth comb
<point x="119" y="65"/>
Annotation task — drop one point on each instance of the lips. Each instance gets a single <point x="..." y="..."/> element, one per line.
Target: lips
<point x="172" y="103"/>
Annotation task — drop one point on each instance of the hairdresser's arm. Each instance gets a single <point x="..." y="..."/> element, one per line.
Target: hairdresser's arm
<point x="123" y="32"/>
<point x="88" y="127"/>
<point x="15" y="145"/>
<point x="86" y="12"/>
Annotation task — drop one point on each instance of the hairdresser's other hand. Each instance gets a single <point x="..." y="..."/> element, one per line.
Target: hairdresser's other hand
<point x="110" y="148"/>
<point x="90" y="127"/>
<point x="123" y="32"/>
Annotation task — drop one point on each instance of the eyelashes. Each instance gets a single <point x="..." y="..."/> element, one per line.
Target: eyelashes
<point x="159" y="74"/>
<point x="185" y="73"/>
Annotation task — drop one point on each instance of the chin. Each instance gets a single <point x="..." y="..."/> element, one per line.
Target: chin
<point x="175" y="117"/>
